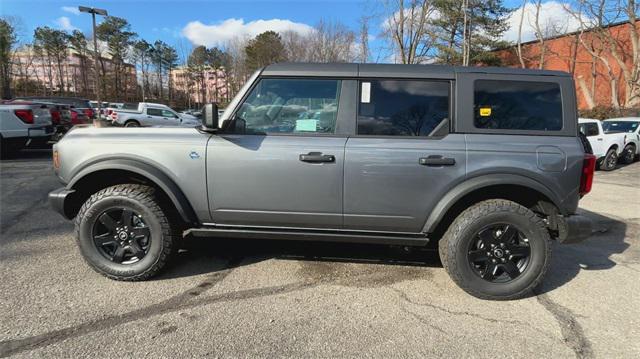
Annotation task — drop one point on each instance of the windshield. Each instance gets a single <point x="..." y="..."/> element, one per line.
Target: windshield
<point x="234" y="102"/>
<point x="619" y="126"/>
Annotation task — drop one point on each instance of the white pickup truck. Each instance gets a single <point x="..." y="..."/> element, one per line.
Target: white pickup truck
<point x="148" y="114"/>
<point x="607" y="147"/>
<point x="630" y="126"/>
<point x="22" y="124"/>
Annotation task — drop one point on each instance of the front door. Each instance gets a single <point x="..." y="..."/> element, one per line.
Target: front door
<point x="403" y="157"/>
<point x="280" y="164"/>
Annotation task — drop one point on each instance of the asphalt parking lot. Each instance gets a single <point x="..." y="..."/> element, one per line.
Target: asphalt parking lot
<point x="269" y="298"/>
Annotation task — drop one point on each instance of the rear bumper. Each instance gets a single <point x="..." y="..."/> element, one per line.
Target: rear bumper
<point x="574" y="228"/>
<point x="57" y="200"/>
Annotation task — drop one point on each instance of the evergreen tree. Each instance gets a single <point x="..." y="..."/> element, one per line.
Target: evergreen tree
<point x="485" y="22"/>
<point x="264" y="49"/>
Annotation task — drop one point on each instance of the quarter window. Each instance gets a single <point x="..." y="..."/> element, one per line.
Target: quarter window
<point x="588" y="129"/>
<point x="290" y="106"/>
<point x="403" y="108"/>
<point x="517" y="105"/>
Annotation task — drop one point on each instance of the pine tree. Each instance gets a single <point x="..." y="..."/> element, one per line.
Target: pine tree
<point x="479" y="31"/>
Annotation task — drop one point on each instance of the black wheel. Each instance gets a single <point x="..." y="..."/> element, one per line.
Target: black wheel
<point x="132" y="124"/>
<point x="123" y="232"/>
<point x="628" y="154"/>
<point x="496" y="249"/>
<point x="609" y="161"/>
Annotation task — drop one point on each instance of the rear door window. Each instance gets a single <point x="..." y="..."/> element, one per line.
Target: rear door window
<point x="154" y="112"/>
<point x="403" y="108"/>
<point x="517" y="105"/>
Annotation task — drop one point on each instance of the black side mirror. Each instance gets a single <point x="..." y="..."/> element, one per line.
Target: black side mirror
<point x="210" y="117"/>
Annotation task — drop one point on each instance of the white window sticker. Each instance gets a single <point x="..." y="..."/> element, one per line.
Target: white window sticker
<point x="365" y="95"/>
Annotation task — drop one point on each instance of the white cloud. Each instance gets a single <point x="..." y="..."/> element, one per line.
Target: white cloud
<point x="553" y="20"/>
<point x="218" y="34"/>
<point x="71" y="9"/>
<point x="64" y="23"/>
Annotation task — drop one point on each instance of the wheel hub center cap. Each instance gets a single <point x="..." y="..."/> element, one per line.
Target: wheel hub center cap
<point x="123" y="235"/>
<point x="498" y="252"/>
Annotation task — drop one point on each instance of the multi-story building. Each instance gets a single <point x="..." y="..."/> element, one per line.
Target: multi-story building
<point x="75" y="76"/>
<point x="201" y="86"/>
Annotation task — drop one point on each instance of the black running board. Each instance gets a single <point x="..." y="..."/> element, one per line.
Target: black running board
<point x="408" y="239"/>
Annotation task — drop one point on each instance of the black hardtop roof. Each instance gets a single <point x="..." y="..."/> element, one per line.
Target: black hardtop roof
<point x="394" y="70"/>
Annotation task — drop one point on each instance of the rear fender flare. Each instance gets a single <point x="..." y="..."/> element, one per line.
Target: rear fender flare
<point x="477" y="183"/>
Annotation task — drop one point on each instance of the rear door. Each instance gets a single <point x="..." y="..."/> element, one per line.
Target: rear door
<point x="402" y="158"/>
<point x="281" y="164"/>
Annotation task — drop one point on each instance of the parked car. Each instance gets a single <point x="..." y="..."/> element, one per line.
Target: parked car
<point x="486" y="162"/>
<point x="630" y="126"/>
<point x="607" y="147"/>
<point x="74" y="102"/>
<point x="151" y="114"/>
<point x="23" y="124"/>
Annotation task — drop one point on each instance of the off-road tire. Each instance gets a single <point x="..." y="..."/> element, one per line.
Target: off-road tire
<point x="143" y="199"/>
<point x="628" y="154"/>
<point x="609" y="161"/>
<point x="132" y="123"/>
<point x="453" y="248"/>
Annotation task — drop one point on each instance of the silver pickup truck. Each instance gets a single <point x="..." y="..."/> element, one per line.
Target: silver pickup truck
<point x="146" y="114"/>
<point x="484" y="162"/>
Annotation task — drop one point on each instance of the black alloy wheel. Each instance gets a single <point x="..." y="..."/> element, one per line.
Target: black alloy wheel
<point x="628" y="155"/>
<point x="121" y="235"/>
<point x="499" y="253"/>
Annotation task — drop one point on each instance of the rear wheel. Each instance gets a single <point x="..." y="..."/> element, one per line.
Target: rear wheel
<point x="132" y="123"/>
<point x="628" y="154"/>
<point x="609" y="161"/>
<point x="496" y="249"/>
<point x="124" y="234"/>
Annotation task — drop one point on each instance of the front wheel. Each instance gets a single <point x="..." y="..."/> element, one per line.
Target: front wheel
<point x="496" y="249"/>
<point x="628" y="154"/>
<point x="132" y="123"/>
<point x="124" y="234"/>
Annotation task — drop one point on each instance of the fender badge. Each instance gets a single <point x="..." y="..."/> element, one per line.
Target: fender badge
<point x="194" y="155"/>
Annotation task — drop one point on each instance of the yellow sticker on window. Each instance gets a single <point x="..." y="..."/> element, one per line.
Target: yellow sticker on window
<point x="485" y="111"/>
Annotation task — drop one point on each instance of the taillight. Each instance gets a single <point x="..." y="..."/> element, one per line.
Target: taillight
<point x="588" y="168"/>
<point x="55" y="116"/>
<point x="25" y="116"/>
<point x="74" y="117"/>
<point x="109" y="112"/>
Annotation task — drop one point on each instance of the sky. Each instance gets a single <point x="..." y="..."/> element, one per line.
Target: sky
<point x="210" y="23"/>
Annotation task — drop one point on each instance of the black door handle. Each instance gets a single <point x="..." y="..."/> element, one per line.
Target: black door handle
<point x="435" y="160"/>
<point x="316" y="157"/>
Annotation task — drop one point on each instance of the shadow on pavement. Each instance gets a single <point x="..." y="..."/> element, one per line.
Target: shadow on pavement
<point x="607" y="239"/>
<point x="204" y="255"/>
<point x="29" y="154"/>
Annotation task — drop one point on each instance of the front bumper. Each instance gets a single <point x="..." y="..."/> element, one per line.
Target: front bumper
<point x="574" y="228"/>
<point x="57" y="200"/>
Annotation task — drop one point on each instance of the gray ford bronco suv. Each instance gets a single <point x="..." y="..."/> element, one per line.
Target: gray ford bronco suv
<point x="485" y="162"/>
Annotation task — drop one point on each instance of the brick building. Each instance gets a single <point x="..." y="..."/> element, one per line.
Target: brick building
<point x="595" y="82"/>
<point x="209" y="86"/>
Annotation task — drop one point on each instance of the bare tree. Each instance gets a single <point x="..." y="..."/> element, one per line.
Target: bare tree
<point x="519" y="44"/>
<point x="407" y="29"/>
<point x="594" y="17"/>
<point x="331" y="42"/>
<point x="364" y="39"/>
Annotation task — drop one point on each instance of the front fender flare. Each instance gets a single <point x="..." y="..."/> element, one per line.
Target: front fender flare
<point x="476" y="183"/>
<point x="157" y="176"/>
